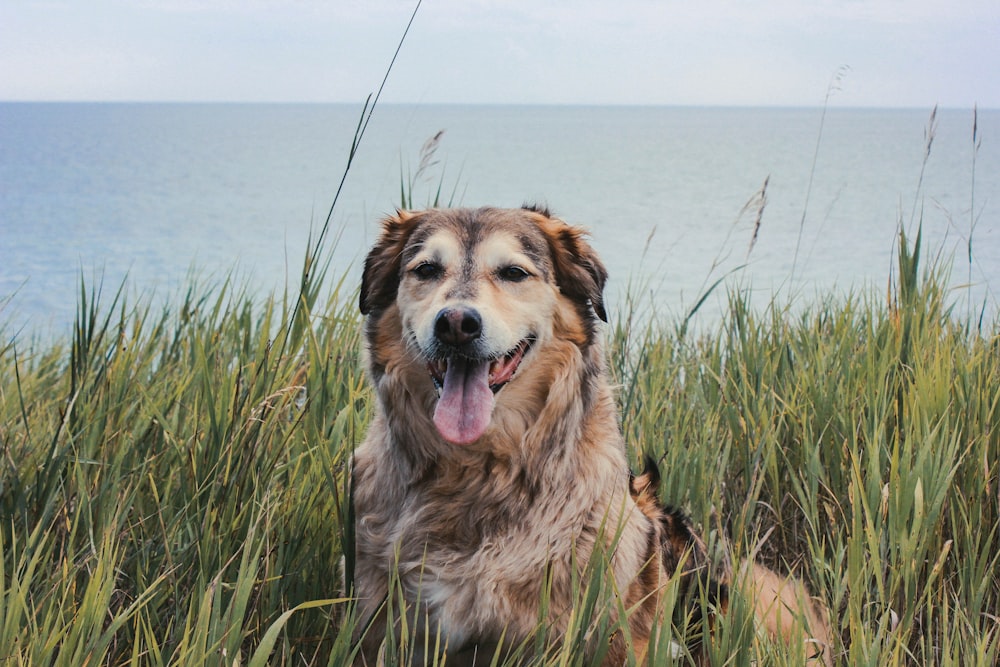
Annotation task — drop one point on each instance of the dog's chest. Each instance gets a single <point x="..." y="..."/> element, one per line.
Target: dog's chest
<point x="474" y="575"/>
<point x="472" y="592"/>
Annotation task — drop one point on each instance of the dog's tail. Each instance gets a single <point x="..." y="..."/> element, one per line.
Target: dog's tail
<point x="683" y="552"/>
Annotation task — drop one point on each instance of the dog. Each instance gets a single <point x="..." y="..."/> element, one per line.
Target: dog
<point x="494" y="468"/>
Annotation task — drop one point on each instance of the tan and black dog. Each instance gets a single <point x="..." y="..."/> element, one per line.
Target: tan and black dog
<point x="494" y="466"/>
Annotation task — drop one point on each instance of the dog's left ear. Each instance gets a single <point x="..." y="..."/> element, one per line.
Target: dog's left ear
<point x="380" y="279"/>
<point x="579" y="272"/>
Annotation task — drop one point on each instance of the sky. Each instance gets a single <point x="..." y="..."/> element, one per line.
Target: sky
<point x="867" y="53"/>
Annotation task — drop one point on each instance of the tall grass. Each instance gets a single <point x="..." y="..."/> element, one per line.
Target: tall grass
<point x="168" y="488"/>
<point x="173" y="487"/>
<point x="856" y="444"/>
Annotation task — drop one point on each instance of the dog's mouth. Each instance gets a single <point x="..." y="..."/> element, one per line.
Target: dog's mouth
<point x="466" y="388"/>
<point x="499" y="370"/>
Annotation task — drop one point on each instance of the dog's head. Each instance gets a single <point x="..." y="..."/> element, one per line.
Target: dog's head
<point x="479" y="295"/>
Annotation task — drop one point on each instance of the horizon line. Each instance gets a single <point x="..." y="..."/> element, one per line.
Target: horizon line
<point x="635" y="105"/>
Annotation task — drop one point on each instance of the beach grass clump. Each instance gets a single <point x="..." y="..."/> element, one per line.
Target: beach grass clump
<point x="168" y="490"/>
<point x="856" y="443"/>
<point x="174" y="487"/>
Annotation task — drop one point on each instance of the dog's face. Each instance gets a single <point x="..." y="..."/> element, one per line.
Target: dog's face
<point x="479" y="295"/>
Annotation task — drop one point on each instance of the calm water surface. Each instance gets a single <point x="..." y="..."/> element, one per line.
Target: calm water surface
<point x="153" y="191"/>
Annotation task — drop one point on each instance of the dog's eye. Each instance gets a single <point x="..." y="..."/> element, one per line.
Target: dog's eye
<point x="513" y="274"/>
<point x="427" y="271"/>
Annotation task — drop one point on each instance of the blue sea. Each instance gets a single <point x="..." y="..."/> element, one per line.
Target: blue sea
<point x="150" y="193"/>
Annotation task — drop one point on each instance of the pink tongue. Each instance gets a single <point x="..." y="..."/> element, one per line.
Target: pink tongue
<point x="466" y="403"/>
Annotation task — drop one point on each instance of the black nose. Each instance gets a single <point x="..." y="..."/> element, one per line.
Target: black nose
<point x="457" y="326"/>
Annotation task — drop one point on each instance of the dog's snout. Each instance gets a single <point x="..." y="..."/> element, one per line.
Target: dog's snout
<point x="457" y="326"/>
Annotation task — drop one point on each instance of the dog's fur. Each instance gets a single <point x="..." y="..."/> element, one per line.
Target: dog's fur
<point x="480" y="500"/>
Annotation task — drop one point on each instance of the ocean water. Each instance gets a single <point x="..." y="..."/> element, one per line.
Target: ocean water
<point x="149" y="193"/>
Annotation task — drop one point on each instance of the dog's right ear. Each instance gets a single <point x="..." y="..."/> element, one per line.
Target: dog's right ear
<point x="579" y="271"/>
<point x="380" y="279"/>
